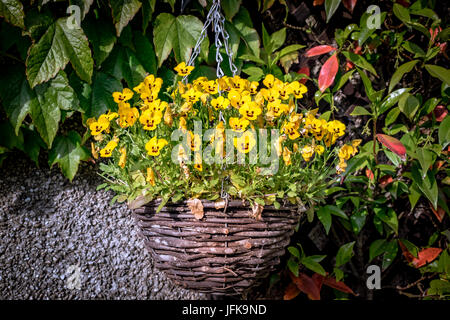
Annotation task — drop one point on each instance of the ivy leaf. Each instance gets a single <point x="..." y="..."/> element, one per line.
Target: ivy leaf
<point x="123" y="11"/>
<point x="67" y="152"/>
<point x="101" y="99"/>
<point x="148" y="7"/>
<point x="12" y="11"/>
<point x="145" y="52"/>
<point x="46" y="115"/>
<point x="179" y="34"/>
<point x="248" y="35"/>
<point x="59" y="45"/>
<point x="230" y="8"/>
<point x="32" y="144"/>
<point x="16" y="95"/>
<point x="102" y="38"/>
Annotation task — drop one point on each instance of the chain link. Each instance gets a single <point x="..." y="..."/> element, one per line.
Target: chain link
<point x="217" y="20"/>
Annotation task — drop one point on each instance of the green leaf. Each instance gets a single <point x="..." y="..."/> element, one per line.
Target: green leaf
<point x="427" y="185"/>
<point x="391" y="250"/>
<point x="52" y="97"/>
<point x="286" y="51"/>
<point x="444" y="132"/>
<point x="402" y="13"/>
<point x="179" y="34"/>
<point x="388" y="216"/>
<point x="101" y="99"/>
<point x="145" y="52"/>
<point x="344" y="254"/>
<point x="392" y="116"/>
<point x="16" y="95"/>
<point x="324" y="216"/>
<point x="331" y="7"/>
<point x="358" y="220"/>
<point x="123" y="11"/>
<point x="255" y="73"/>
<point x="413" y="249"/>
<point x="9" y="138"/>
<point x="102" y="37"/>
<point x="343" y="80"/>
<point x="360" y="111"/>
<point x="311" y="264"/>
<point x="230" y="8"/>
<point x="391" y="99"/>
<point x="359" y="61"/>
<point x="248" y="35"/>
<point x="277" y="39"/>
<point x="148" y="7"/>
<point x="426" y="159"/>
<point x="252" y="58"/>
<point x="67" y="152"/>
<point x="294" y="251"/>
<point x="336" y="211"/>
<point x="439" y="72"/>
<point x="413" y="48"/>
<point x="398" y="74"/>
<point x="12" y="11"/>
<point x="59" y="45"/>
<point x="32" y="144"/>
<point x="409" y="105"/>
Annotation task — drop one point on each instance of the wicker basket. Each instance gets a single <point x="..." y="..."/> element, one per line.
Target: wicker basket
<point x="224" y="253"/>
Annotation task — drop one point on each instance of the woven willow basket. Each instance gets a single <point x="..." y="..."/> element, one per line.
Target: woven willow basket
<point x="224" y="253"/>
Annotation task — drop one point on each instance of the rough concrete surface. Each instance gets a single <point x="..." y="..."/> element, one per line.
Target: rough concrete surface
<point x="50" y="229"/>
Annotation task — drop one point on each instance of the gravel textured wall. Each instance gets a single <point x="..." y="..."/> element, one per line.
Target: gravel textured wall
<point x="49" y="227"/>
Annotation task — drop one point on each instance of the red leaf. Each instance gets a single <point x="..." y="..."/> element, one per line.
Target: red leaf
<point x="440" y="112"/>
<point x="385" y="180"/>
<point x="318" y="2"/>
<point x="439" y="213"/>
<point x="349" y="4"/>
<point x="328" y="72"/>
<point x="338" y="285"/>
<point x="307" y="285"/>
<point x="369" y="174"/>
<point x="319" y="50"/>
<point x="425" y="256"/>
<point x="392" y="144"/>
<point x="318" y="280"/>
<point x="305" y="71"/>
<point x="409" y="257"/>
<point x="291" y="292"/>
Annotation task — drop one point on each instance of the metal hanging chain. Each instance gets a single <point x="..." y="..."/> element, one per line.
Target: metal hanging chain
<point x="217" y="19"/>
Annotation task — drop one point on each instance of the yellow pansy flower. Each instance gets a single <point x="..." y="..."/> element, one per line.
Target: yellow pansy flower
<point x="340" y="168"/>
<point x="253" y="87"/>
<point x="270" y="95"/>
<point x="307" y="152"/>
<point x="123" y="96"/>
<point x="183" y="70"/>
<point x="319" y="149"/>
<point x="192" y="95"/>
<point x="106" y="152"/>
<point x="238" y="124"/>
<point x="150" y="119"/>
<point x="127" y="116"/>
<point x="250" y="110"/>
<point x="123" y="157"/>
<point x="279" y="144"/>
<point x="154" y="146"/>
<point x="276" y="109"/>
<point x="210" y="86"/>
<point x="284" y="90"/>
<point x="182" y="125"/>
<point x="298" y="89"/>
<point x="220" y="103"/>
<point x="345" y="152"/>
<point x="149" y="97"/>
<point x="287" y="156"/>
<point x="198" y="162"/>
<point x="150" y="177"/>
<point x="336" y="127"/>
<point x="245" y="142"/>
<point x="269" y="81"/>
<point x="237" y="83"/>
<point x="194" y="141"/>
<point x="168" y="116"/>
<point x="99" y="126"/>
<point x="291" y="129"/>
<point x="223" y="84"/>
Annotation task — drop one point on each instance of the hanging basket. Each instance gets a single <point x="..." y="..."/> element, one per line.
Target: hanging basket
<point x="224" y="253"/>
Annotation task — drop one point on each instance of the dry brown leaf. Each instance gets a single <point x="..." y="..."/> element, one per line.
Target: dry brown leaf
<point x="196" y="207"/>
<point x="257" y="210"/>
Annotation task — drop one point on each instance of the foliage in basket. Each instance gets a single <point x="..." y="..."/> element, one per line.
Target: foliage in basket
<point x="208" y="137"/>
